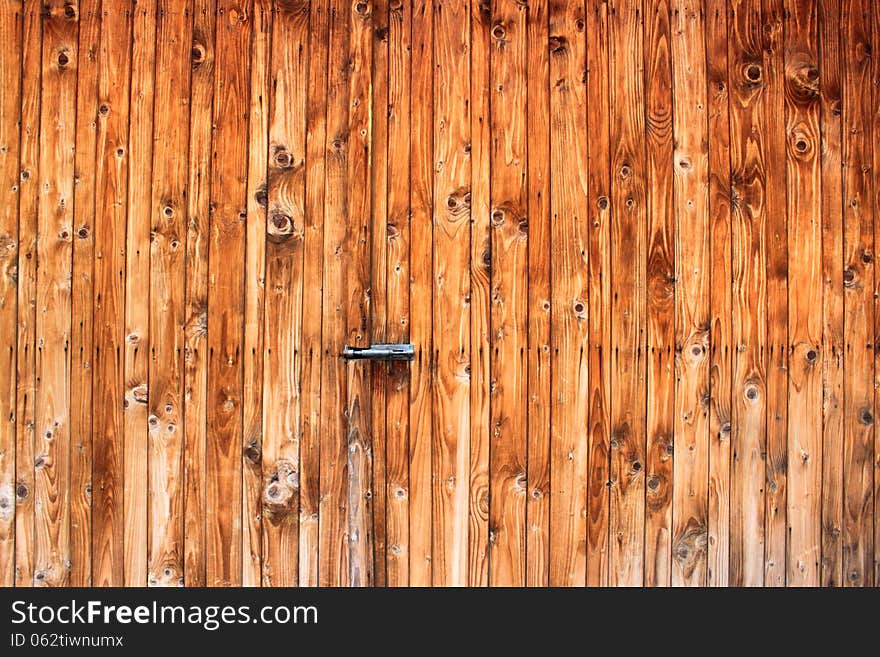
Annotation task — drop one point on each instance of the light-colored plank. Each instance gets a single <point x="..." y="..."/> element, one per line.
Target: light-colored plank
<point x="509" y="221"/>
<point x="628" y="326"/>
<point x="569" y="295"/>
<point x="166" y="219"/>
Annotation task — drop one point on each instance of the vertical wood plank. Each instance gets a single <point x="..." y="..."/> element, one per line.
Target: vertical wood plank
<point x="333" y="551"/>
<point x="357" y="295"/>
<point x="167" y="222"/>
<point x="255" y="298"/>
<point x="82" y="290"/>
<point x="10" y="115"/>
<point x="284" y="285"/>
<point x="226" y="293"/>
<point x="776" y="354"/>
<point x="25" y="375"/>
<point x="720" y="376"/>
<point x="858" y="282"/>
<point x="481" y="266"/>
<point x="693" y="277"/>
<point x="509" y="295"/>
<point x="451" y="291"/>
<point x="397" y="301"/>
<point x="380" y="372"/>
<point x="599" y="208"/>
<point x="539" y="245"/>
<point x="569" y="362"/>
<point x="111" y="536"/>
<point x="804" y="205"/>
<point x="661" y="292"/>
<point x="196" y="327"/>
<point x="313" y="266"/>
<point x="53" y="294"/>
<point x="136" y="356"/>
<point x="830" y="83"/>
<point x="421" y="294"/>
<point x="749" y="294"/>
<point x="628" y="219"/>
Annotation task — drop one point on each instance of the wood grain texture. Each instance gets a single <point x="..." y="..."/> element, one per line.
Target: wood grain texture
<point x="632" y="244"/>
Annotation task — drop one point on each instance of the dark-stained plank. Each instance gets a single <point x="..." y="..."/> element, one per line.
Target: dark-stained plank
<point x="804" y="208"/>
<point x="538" y="213"/>
<point x="25" y="375"/>
<point x="569" y="342"/>
<point x="223" y="458"/>
<point x="599" y="217"/>
<point x="283" y="313"/>
<point x="720" y="372"/>
<point x="859" y="415"/>
<point x="661" y="277"/>
<point x="628" y="325"/>
<point x="692" y="296"/>
<point x="509" y="290"/>
<point x="421" y="315"/>
<point x="167" y="221"/>
<point x="10" y="114"/>
<point x="109" y="529"/>
<point x="196" y="327"/>
<point x="749" y="294"/>
<point x="832" y="351"/>
<point x="397" y="298"/>
<point x="313" y="266"/>
<point x="776" y="353"/>
<point x="255" y="298"/>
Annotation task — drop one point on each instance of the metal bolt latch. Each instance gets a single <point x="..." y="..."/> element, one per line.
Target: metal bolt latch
<point x="379" y="352"/>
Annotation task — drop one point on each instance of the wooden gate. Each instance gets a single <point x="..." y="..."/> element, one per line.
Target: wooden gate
<point x="631" y="241"/>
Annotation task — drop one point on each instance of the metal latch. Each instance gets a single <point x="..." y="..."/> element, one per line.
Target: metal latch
<point x="379" y="352"/>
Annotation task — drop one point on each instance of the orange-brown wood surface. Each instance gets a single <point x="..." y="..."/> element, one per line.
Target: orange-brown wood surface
<point x="631" y="242"/>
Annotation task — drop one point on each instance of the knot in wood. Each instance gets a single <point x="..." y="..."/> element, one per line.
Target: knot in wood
<point x="63" y="59"/>
<point x="558" y="44"/>
<point x="197" y="54"/>
<point x="69" y="12"/>
<point x="498" y="32"/>
<point x="753" y="73"/>
<point x="362" y="8"/>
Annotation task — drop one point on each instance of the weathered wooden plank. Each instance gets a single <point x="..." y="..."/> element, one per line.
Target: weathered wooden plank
<point x="875" y="119"/>
<point x="109" y="529"/>
<point x="776" y="353"/>
<point x="569" y="295"/>
<point x="166" y="218"/>
<point x="196" y="327"/>
<point x="720" y="373"/>
<point x="255" y="298"/>
<point x="421" y="295"/>
<point x="313" y="266"/>
<point x="136" y="347"/>
<point x="749" y="294"/>
<point x="223" y="458"/>
<point x="284" y="284"/>
<point x="858" y="282"/>
<point x="509" y="292"/>
<point x="451" y="292"/>
<point x="661" y="351"/>
<point x="29" y="153"/>
<point x="380" y="372"/>
<point x="333" y="550"/>
<point x="357" y="295"/>
<point x="539" y="244"/>
<point x="82" y="291"/>
<point x="830" y="82"/>
<point x="628" y="253"/>
<point x="10" y="115"/>
<point x="397" y="298"/>
<point x="692" y="295"/>
<point x="804" y="207"/>
<point x="599" y="208"/>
